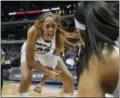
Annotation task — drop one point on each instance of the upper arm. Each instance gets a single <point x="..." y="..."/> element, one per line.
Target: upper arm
<point x="30" y="45"/>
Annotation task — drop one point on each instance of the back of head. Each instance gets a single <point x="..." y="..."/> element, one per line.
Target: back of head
<point x="99" y="20"/>
<point x="101" y="28"/>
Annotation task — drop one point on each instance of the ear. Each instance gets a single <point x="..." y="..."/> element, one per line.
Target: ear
<point x="40" y="25"/>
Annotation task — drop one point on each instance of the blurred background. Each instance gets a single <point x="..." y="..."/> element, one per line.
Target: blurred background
<point x="18" y="16"/>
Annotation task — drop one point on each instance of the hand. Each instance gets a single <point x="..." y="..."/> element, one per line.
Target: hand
<point x="38" y="88"/>
<point x="54" y="74"/>
<point x="58" y="71"/>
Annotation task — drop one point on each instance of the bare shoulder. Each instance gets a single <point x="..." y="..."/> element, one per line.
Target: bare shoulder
<point x="112" y="56"/>
<point x="32" y="30"/>
<point x="110" y="69"/>
<point x="113" y="59"/>
<point x="32" y="34"/>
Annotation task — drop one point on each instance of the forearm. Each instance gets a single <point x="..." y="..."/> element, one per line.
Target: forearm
<point x="39" y="67"/>
<point x="43" y="80"/>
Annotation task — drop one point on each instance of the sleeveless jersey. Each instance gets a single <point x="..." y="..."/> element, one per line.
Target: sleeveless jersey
<point x="43" y="52"/>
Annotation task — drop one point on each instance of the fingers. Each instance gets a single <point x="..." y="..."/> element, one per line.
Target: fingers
<point x="38" y="89"/>
<point x="58" y="71"/>
<point x="50" y="68"/>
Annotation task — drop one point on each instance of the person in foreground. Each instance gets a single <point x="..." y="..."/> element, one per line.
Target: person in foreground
<point x="97" y="69"/>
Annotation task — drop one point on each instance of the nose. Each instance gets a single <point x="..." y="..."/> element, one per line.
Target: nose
<point x="51" y="29"/>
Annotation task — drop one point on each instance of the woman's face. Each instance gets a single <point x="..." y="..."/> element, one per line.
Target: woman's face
<point x="49" y="28"/>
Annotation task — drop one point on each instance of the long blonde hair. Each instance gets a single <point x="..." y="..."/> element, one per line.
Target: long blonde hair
<point x="61" y="35"/>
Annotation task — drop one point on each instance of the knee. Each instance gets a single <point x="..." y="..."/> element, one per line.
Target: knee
<point x="27" y="77"/>
<point x="26" y="73"/>
<point x="69" y="79"/>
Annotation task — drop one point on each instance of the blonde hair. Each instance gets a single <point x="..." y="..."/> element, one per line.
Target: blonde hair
<point x="60" y="33"/>
<point x="42" y="17"/>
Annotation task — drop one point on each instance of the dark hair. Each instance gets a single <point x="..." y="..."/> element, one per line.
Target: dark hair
<point x="114" y="5"/>
<point x="101" y="28"/>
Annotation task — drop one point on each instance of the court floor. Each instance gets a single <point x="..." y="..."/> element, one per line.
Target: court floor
<point x="10" y="89"/>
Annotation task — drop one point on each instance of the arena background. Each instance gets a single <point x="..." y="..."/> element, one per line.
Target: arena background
<point x="16" y="18"/>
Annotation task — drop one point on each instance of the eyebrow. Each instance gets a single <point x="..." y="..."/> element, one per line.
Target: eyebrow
<point x="50" y="23"/>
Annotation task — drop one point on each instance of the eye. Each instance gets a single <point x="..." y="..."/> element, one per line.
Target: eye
<point x="47" y="26"/>
<point x="53" y="26"/>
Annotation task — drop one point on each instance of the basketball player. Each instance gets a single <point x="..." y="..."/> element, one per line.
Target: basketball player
<point x="41" y="51"/>
<point x="97" y="69"/>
